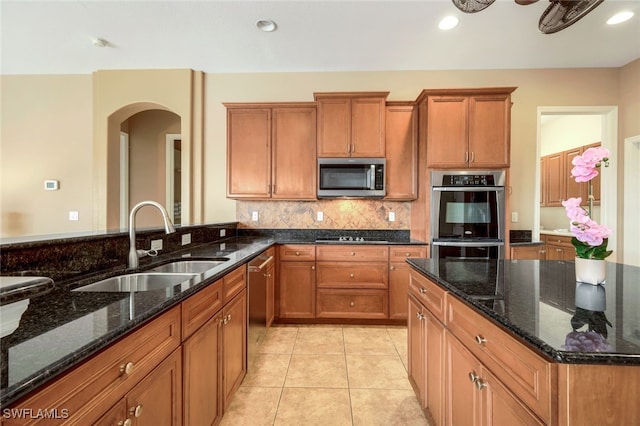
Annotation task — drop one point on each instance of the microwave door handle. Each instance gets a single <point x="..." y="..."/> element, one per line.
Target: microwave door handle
<point x="372" y="177"/>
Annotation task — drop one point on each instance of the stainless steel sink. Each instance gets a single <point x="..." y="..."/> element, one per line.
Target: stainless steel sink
<point x="189" y="266"/>
<point x="138" y="282"/>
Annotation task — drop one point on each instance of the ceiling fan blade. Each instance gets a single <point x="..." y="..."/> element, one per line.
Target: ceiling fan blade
<point x="472" y="6"/>
<point x="563" y="13"/>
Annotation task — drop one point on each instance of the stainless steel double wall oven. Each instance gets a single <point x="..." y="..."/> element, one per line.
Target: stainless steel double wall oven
<point x="468" y="214"/>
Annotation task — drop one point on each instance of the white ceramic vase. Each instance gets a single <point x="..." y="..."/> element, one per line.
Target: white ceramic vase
<point x="590" y="271"/>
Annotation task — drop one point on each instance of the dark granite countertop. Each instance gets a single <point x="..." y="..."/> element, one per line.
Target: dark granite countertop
<point x="540" y="302"/>
<point x="46" y="334"/>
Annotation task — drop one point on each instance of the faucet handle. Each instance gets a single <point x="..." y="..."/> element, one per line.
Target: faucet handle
<point x="143" y="253"/>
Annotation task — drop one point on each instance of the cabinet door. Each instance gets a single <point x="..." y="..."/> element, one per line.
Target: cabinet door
<point x="555" y="180"/>
<point x="201" y="369"/>
<point x="500" y="407"/>
<point x="294" y="153"/>
<point x="434" y="367"/>
<point x="447" y="131"/>
<point x="402" y="152"/>
<point x="271" y="295"/>
<point x="528" y="252"/>
<point x="489" y="130"/>
<point x="574" y="189"/>
<point x="368" y="127"/>
<point x="157" y="400"/>
<point x="248" y="153"/>
<point x="398" y="290"/>
<point x="116" y="416"/>
<point x="461" y="400"/>
<point x="415" y="349"/>
<point x="234" y="346"/>
<point x="297" y="289"/>
<point x="334" y="127"/>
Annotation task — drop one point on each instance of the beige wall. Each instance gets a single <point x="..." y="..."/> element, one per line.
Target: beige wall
<point x="547" y="87"/>
<point x="45" y="133"/>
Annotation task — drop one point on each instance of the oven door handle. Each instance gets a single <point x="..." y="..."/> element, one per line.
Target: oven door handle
<point x="468" y="188"/>
<point x="468" y="244"/>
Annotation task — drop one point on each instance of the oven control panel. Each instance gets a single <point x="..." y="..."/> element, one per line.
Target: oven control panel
<point x="468" y="180"/>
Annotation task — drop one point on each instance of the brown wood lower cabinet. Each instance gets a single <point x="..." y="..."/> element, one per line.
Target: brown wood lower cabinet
<point x="234" y="346"/>
<point x="399" y="277"/>
<point x="537" y="251"/>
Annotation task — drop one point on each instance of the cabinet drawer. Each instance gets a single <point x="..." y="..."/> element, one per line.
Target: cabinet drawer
<point x="352" y="275"/>
<point x="90" y="389"/>
<point x="527" y="375"/>
<point x="401" y="253"/>
<point x="352" y="253"/>
<point x="559" y="240"/>
<point x="428" y="293"/>
<point x="297" y="253"/>
<point x="233" y="283"/>
<point x="197" y="309"/>
<point x="352" y="304"/>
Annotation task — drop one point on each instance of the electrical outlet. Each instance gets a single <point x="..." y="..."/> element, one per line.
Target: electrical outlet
<point x="254" y="216"/>
<point x="514" y="217"/>
<point x="156" y="244"/>
<point x="320" y="216"/>
<point x="392" y="216"/>
<point x="73" y="216"/>
<point x="223" y="232"/>
<point x="186" y="239"/>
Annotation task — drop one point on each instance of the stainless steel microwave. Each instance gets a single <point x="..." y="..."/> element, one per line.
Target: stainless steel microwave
<point x="351" y="177"/>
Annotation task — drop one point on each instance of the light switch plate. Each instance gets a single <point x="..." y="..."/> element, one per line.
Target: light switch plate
<point x="186" y="239"/>
<point x="156" y="244"/>
<point x="514" y="217"/>
<point x="223" y="232"/>
<point x="392" y="216"/>
<point x="73" y="216"/>
<point x="320" y="216"/>
<point x="254" y="216"/>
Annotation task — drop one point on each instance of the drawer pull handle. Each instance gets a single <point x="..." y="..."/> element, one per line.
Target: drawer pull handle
<point x="352" y="304"/>
<point x="136" y="411"/>
<point x="419" y="316"/>
<point x="480" y="340"/>
<point x="126" y="422"/>
<point x="351" y="275"/>
<point x="473" y="377"/>
<point x="480" y="384"/>
<point x="423" y="290"/>
<point x="227" y="318"/>
<point x="126" y="369"/>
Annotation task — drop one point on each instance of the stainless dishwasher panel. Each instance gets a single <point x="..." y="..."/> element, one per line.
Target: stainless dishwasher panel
<point x="257" y="305"/>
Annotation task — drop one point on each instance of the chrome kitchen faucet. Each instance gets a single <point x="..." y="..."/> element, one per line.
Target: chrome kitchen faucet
<point x="135" y="255"/>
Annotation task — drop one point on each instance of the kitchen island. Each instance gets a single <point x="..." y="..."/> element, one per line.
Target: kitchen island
<point x="521" y="341"/>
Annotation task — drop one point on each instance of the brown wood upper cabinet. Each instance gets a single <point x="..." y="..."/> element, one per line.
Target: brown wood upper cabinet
<point x="468" y="128"/>
<point x="351" y="124"/>
<point x="402" y="151"/>
<point x="271" y="151"/>
<point x="556" y="182"/>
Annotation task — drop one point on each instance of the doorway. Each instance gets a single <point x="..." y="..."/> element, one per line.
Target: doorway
<point x="631" y="253"/>
<point x="608" y="117"/>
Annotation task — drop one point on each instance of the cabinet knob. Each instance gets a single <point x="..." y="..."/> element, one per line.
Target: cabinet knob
<point x="297" y="253"/>
<point x="480" y="384"/>
<point x="313" y="268"/>
<point x="136" y="411"/>
<point x="353" y="253"/>
<point x="126" y="369"/>
<point x="351" y="275"/>
<point x="392" y="268"/>
<point x="420" y="316"/>
<point x="407" y="254"/>
<point x="480" y="340"/>
<point x="352" y="304"/>
<point x="126" y="422"/>
<point x="473" y="377"/>
<point x="423" y="290"/>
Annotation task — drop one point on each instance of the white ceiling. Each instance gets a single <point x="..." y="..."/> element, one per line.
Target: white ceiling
<point x="54" y="37"/>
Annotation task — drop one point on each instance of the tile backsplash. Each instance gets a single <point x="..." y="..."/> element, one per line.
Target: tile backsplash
<point x="337" y="214"/>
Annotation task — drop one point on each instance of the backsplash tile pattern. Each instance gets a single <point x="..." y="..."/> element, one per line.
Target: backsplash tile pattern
<point x="338" y="214"/>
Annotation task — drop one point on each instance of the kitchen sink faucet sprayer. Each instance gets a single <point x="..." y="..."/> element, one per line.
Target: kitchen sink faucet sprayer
<point x="135" y="255"/>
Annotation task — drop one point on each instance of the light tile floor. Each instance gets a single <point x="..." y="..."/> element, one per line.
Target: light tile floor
<point x="328" y="375"/>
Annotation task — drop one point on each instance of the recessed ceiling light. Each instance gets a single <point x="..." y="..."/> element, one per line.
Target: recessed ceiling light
<point x="266" y="25"/>
<point x="448" y="22"/>
<point x="99" y="42"/>
<point x="620" y="17"/>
